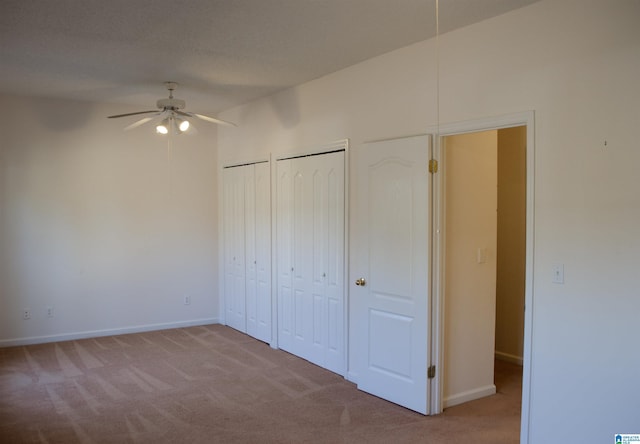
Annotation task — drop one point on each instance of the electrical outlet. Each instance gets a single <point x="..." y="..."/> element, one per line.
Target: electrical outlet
<point x="26" y="314"/>
<point x="49" y="312"/>
<point x="187" y="300"/>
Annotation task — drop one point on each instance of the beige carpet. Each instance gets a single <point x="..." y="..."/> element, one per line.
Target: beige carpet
<point x="212" y="384"/>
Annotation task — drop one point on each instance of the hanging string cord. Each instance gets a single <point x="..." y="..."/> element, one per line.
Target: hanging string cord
<point x="170" y="161"/>
<point x="437" y="68"/>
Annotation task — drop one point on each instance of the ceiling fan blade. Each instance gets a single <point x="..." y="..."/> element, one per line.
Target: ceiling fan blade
<point x="138" y="123"/>
<point x="183" y="113"/>
<point x="213" y="120"/>
<point x="132" y="114"/>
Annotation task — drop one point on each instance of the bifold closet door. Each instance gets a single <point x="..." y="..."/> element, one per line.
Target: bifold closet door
<point x="310" y="258"/>
<point x="247" y="248"/>
<point x="234" y="247"/>
<point x="258" y="251"/>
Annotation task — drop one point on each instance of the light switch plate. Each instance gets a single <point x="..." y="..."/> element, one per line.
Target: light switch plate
<point x="558" y="274"/>
<point x="481" y="255"/>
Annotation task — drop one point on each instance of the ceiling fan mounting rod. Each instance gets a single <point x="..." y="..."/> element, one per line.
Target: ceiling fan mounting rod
<point x="171" y="86"/>
<point x="170" y="103"/>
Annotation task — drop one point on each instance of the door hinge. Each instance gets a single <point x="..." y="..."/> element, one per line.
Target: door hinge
<point x="433" y="166"/>
<point x="431" y="372"/>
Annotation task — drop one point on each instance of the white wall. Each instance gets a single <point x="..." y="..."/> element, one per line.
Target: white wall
<point x="95" y="223"/>
<point x="471" y="197"/>
<point x="577" y="64"/>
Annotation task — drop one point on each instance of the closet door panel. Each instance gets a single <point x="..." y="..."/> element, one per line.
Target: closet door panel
<point x="238" y="318"/>
<point x="334" y="281"/>
<point x="228" y="241"/>
<point x="302" y="246"/>
<point x="263" y="250"/>
<point x="318" y="254"/>
<point x="234" y="244"/>
<point x="284" y="257"/>
<point x="251" y="284"/>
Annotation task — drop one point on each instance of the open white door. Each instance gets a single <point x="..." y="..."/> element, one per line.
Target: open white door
<point x="390" y="288"/>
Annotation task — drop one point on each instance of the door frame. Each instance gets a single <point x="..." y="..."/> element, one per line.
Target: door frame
<point x="493" y="123"/>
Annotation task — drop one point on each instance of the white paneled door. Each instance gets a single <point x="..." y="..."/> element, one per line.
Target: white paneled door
<point x="258" y="253"/>
<point x="234" y="241"/>
<point x="247" y="248"/>
<point x="391" y="297"/>
<point x="310" y="258"/>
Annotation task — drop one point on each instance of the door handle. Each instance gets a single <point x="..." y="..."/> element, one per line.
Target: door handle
<point x="361" y="282"/>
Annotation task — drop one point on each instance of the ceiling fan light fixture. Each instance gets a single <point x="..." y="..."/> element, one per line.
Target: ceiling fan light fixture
<point x="183" y="125"/>
<point x="163" y="127"/>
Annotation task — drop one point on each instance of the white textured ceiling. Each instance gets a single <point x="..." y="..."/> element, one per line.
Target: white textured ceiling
<point x="221" y="52"/>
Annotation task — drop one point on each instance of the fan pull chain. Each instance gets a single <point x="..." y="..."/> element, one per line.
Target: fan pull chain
<point x="169" y="163"/>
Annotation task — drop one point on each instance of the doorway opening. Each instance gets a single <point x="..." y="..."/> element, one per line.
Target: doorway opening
<point x="483" y="217"/>
<point x="485" y="220"/>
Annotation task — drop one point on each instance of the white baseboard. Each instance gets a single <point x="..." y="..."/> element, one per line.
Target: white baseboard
<point x="469" y="395"/>
<point x="508" y="357"/>
<point x="106" y="332"/>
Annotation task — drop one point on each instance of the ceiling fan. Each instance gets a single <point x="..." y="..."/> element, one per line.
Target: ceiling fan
<point x="170" y="115"/>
